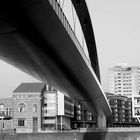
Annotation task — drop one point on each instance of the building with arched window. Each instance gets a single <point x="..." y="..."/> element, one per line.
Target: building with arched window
<point x="27" y="107"/>
<point x="36" y="107"/>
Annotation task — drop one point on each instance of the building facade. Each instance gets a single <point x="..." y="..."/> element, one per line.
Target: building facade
<point x="121" y="111"/>
<point x="136" y="107"/>
<point x="49" y="109"/>
<point x="6" y="114"/>
<point x="124" y="80"/>
<point x="27" y="99"/>
<point x="36" y="107"/>
<point x="65" y="111"/>
<point x="82" y="117"/>
<point x="57" y="110"/>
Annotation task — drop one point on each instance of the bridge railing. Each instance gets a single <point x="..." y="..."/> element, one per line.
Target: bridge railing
<point x="57" y="8"/>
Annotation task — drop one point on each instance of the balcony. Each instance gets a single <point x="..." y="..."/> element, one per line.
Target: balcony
<point x="51" y="121"/>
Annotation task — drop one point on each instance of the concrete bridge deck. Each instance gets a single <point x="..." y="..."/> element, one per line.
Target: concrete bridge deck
<point x="36" y="38"/>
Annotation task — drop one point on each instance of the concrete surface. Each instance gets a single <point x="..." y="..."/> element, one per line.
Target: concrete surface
<point x="108" y="134"/>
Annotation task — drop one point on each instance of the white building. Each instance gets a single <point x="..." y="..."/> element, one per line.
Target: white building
<point x="49" y="109"/>
<point x="65" y="111"/>
<point x="57" y="109"/>
<point x="136" y="106"/>
<point x="124" y="80"/>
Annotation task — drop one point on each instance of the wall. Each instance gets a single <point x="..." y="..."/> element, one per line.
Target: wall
<point x="28" y="113"/>
<point x="122" y="134"/>
<point x="6" y="124"/>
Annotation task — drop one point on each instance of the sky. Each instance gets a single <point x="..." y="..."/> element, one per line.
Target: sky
<point x="116" y="26"/>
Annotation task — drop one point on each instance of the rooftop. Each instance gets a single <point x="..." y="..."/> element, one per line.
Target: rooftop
<point x="29" y="88"/>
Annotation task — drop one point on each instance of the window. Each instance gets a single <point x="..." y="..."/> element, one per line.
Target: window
<point x="78" y="117"/>
<point x="1" y="107"/>
<point x="35" y="108"/>
<point x="7" y="111"/>
<point x="49" y="88"/>
<point x="49" y="118"/>
<point x="10" y="111"/>
<point x="21" y="121"/>
<point x="78" y="106"/>
<point x="21" y="107"/>
<point x="78" y="111"/>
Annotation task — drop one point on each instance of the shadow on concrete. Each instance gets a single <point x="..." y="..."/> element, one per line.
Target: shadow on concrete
<point x="95" y="135"/>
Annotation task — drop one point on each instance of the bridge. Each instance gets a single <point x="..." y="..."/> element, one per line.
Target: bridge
<point x="36" y="37"/>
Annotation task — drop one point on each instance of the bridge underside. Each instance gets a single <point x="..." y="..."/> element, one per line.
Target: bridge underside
<point x="33" y="39"/>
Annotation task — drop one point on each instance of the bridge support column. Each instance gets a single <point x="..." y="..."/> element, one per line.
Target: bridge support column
<point x="101" y="120"/>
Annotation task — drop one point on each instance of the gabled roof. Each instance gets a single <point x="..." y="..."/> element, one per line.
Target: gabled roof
<point x="29" y="88"/>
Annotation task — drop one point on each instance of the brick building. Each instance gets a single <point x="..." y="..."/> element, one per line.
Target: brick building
<point x="121" y="111"/>
<point x="27" y="107"/>
<point x="82" y="117"/>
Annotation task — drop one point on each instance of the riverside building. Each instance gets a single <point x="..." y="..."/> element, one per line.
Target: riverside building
<point x="38" y="107"/>
<point x="57" y="110"/>
<point x="82" y="117"/>
<point x="122" y="115"/>
<point x="27" y="98"/>
<point x="6" y="114"/>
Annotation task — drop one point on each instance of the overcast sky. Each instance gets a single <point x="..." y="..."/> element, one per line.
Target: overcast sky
<point x="116" y="25"/>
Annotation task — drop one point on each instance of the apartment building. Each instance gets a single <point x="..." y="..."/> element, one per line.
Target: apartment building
<point x="124" y="80"/>
<point x="121" y="111"/>
<point x="65" y="111"/>
<point x="82" y="117"/>
<point x="49" y="109"/>
<point x="57" y="110"/>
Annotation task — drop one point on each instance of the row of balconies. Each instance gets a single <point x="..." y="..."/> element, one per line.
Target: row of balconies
<point x="49" y="113"/>
<point x="121" y="106"/>
<point x="49" y="121"/>
<point x="127" y="120"/>
<point x="122" y="115"/>
<point x="122" y="102"/>
<point x="84" y="118"/>
<point x="122" y="112"/>
<point x="122" y="120"/>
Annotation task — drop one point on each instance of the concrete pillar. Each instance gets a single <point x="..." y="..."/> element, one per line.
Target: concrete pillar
<point x="101" y="120"/>
<point x="61" y="123"/>
<point x="56" y="123"/>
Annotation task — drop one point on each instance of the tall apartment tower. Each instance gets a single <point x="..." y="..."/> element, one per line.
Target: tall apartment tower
<point x="124" y="80"/>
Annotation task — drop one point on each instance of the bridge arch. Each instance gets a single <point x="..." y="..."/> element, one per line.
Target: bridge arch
<point x="85" y="21"/>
